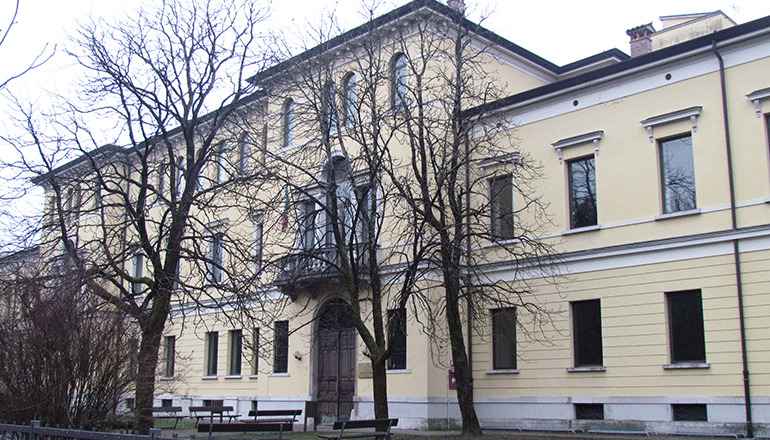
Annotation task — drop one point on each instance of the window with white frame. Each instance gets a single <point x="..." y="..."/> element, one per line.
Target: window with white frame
<point x="677" y="174"/>
<point x="288" y="123"/>
<point x="504" y="338"/>
<point x="398" y="79"/>
<point x="216" y="257"/>
<point x="212" y="353"/>
<point x="501" y="207"/>
<point x="350" y="93"/>
<point x="582" y="192"/>
<point x="137" y="272"/>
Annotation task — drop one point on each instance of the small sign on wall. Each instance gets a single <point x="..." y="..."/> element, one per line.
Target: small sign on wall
<point x="452" y="378"/>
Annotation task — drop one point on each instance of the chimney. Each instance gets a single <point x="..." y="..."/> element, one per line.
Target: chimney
<point x="457" y="5"/>
<point x="641" y="39"/>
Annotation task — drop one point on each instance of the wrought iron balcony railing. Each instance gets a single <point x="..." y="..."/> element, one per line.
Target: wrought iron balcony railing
<point x="306" y="267"/>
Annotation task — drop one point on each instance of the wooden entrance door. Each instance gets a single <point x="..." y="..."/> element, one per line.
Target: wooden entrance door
<point x="336" y="348"/>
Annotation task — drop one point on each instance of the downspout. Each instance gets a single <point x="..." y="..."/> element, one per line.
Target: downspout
<point x="736" y="251"/>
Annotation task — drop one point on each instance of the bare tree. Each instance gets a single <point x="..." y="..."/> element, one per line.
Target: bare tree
<point x="42" y="56"/>
<point x="405" y="129"/>
<point x="330" y="170"/>
<point x="62" y="357"/>
<point x="466" y="181"/>
<point x="161" y="220"/>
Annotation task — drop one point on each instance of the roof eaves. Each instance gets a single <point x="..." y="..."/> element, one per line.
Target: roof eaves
<point x="396" y="14"/>
<point x="629" y="64"/>
<point x="111" y="148"/>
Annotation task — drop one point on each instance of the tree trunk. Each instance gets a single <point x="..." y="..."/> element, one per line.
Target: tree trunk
<point x="380" y="390"/>
<point x="463" y="371"/>
<point x="145" y="377"/>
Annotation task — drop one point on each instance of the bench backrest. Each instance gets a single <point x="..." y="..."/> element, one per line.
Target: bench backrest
<point x="275" y="412"/>
<point x="212" y="409"/>
<point x="359" y="424"/>
<point x="166" y="409"/>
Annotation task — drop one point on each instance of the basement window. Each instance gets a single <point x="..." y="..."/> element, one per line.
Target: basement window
<point x="689" y="412"/>
<point x="589" y="411"/>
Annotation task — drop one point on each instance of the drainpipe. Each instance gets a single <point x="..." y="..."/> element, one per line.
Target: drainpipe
<point x="736" y="251"/>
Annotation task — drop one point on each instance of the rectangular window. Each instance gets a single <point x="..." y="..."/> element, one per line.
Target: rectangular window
<point x="677" y="174"/>
<point x="308" y="224"/>
<point x="130" y="403"/>
<point x="689" y="412"/>
<point x="582" y="192"/>
<point x="685" y="323"/>
<point x="167" y="403"/>
<point x="255" y="352"/>
<point x="236" y="352"/>
<point x="137" y="272"/>
<point x="170" y="355"/>
<point x="212" y="350"/>
<point x="587" y="333"/>
<point x="397" y="339"/>
<point x="501" y="207"/>
<point x="221" y="159"/>
<point x="364" y="212"/>
<point x="181" y="174"/>
<point x="207" y="402"/>
<point x="216" y="257"/>
<point x="160" y="191"/>
<point x="504" y="338"/>
<point x="589" y="411"/>
<point x="258" y="245"/>
<point x="281" y="347"/>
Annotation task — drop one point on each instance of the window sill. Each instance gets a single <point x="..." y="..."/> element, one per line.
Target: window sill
<point x="502" y="372"/>
<point x="234" y="376"/>
<point x="506" y="241"/>
<point x="687" y="213"/>
<point x="399" y="371"/>
<point x="210" y="378"/>
<point x="580" y="230"/>
<point x="253" y="377"/>
<point x="279" y="374"/>
<point x="688" y="366"/>
<point x="166" y="378"/>
<point x="592" y="369"/>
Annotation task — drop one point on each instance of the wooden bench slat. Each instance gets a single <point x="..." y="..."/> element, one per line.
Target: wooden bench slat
<point x="166" y="409"/>
<point x="275" y="412"/>
<point x="358" y="424"/>
<point x="245" y="427"/>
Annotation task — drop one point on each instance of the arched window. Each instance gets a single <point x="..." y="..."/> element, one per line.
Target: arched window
<point x="398" y="93"/>
<point x="288" y="122"/>
<point x="350" y="95"/>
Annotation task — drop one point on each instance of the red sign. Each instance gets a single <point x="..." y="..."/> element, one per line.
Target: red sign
<point x="452" y="379"/>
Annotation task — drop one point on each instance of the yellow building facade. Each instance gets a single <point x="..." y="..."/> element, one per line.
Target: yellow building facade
<point x="661" y="316"/>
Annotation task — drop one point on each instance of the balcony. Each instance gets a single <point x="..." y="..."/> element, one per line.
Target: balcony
<point x="308" y="268"/>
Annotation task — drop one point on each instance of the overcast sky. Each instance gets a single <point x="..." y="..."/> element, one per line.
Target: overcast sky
<point x="559" y="30"/>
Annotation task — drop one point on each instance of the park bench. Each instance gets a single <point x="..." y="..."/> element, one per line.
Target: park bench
<point x="168" y="413"/>
<point x="344" y="427"/>
<point x="275" y="415"/>
<point x="209" y="412"/>
<point x="265" y="426"/>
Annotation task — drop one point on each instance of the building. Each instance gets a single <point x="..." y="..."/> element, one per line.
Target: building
<point x="665" y="245"/>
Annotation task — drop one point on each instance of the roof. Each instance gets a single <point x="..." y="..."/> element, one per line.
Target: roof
<point x="619" y="68"/>
<point x="443" y="9"/>
<point x="115" y="149"/>
<point x="104" y="150"/>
